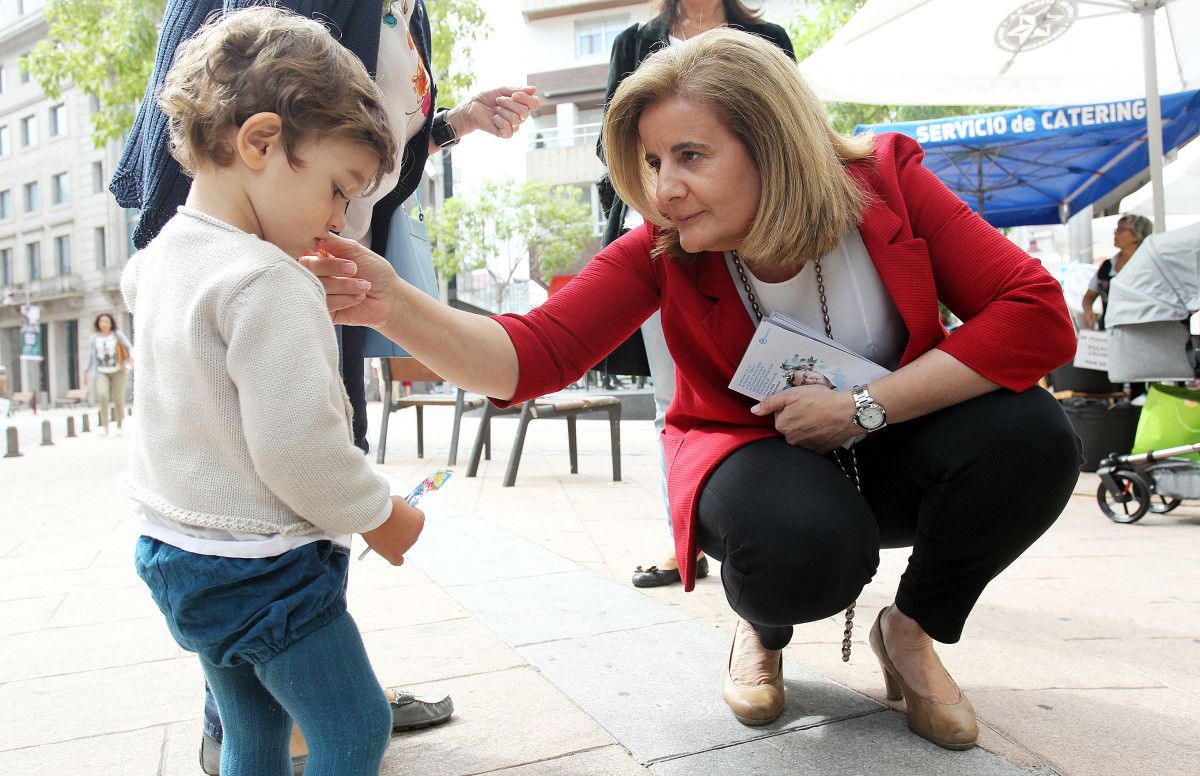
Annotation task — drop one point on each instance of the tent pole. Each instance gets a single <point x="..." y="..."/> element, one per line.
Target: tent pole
<point x="979" y="174"/>
<point x="1153" y="113"/>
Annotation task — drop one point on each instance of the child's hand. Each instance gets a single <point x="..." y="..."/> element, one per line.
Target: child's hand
<point x="398" y="533"/>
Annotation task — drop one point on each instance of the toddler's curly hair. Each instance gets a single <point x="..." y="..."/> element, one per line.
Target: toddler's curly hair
<point x="264" y="59"/>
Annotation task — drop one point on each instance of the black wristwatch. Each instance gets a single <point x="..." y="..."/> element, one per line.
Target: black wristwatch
<point x="868" y="413"/>
<point x="442" y="133"/>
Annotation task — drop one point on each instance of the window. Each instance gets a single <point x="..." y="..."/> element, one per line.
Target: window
<point x="6" y="268"/>
<point x="101" y="247"/>
<point x="93" y="103"/>
<point x="72" y="338"/>
<point x="33" y="254"/>
<point x="98" y="177"/>
<point x="595" y="36"/>
<point x="6" y="204"/>
<point x="29" y="131"/>
<point x="5" y="141"/>
<point x="58" y="120"/>
<point x="60" y="187"/>
<point x="3" y="79"/>
<point x="62" y="253"/>
<point x="31" y="196"/>
<point x="24" y="72"/>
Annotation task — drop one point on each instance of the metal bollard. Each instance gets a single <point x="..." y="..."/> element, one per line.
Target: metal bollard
<point x="70" y="427"/>
<point x="14" y="449"/>
<point x="46" y="441"/>
<point x="84" y="429"/>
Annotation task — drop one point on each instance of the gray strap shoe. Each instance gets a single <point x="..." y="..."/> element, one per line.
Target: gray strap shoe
<point x="413" y="712"/>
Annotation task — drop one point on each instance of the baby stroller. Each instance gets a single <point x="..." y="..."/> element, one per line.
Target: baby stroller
<point x="1149" y="304"/>
<point x="1155" y="481"/>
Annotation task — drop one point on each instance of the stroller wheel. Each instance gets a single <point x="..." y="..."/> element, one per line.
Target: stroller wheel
<point x="1160" y="505"/>
<point x="1132" y="503"/>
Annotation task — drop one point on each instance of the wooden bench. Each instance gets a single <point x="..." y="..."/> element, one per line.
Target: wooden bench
<point x="73" y="397"/>
<point x="566" y="406"/>
<point x="398" y="370"/>
<point x="20" y="399"/>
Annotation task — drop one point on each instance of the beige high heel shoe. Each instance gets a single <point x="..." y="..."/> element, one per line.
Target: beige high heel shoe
<point x="756" y="694"/>
<point x="949" y="725"/>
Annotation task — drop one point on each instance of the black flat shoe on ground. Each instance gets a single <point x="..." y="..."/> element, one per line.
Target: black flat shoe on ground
<point x="656" y="577"/>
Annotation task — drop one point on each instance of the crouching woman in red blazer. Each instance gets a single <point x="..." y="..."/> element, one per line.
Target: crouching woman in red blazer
<point x="754" y="204"/>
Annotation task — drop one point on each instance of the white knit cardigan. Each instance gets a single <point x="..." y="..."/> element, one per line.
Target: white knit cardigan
<point x="243" y="423"/>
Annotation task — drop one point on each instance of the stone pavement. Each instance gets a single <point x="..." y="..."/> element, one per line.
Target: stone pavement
<point x="1081" y="659"/>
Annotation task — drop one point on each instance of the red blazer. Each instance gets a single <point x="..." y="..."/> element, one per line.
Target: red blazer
<point x="927" y="245"/>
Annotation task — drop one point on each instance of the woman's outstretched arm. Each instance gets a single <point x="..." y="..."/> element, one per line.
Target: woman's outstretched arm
<point x="466" y="349"/>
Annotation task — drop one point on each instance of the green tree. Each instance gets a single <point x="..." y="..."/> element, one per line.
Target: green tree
<point x="813" y="25"/>
<point x="456" y="25"/>
<point x="106" y="49"/>
<point x="503" y="226"/>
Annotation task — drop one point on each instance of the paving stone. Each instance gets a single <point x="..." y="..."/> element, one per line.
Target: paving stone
<point x="66" y="651"/>
<point x="559" y="606"/>
<point x="61" y="708"/>
<point x="181" y="748"/>
<point x="1101" y="732"/>
<point x="436" y="652"/>
<point x="501" y="720"/>
<point x="657" y="689"/>
<point x="135" y="753"/>
<point x="375" y="609"/>
<point x="35" y="584"/>
<point x="878" y="743"/>
<point x="93" y="607"/>
<point x="605" y="761"/>
<point x="459" y="550"/>
<point x="27" y="614"/>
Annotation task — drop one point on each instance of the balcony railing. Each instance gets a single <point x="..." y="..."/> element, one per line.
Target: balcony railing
<point x="111" y="280"/>
<point x="45" y="289"/>
<point x="565" y="137"/>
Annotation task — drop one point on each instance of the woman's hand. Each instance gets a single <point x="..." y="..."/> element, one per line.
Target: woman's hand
<point x="1089" y="319"/>
<point x="359" y="284"/>
<point x="498" y="112"/>
<point x="811" y="416"/>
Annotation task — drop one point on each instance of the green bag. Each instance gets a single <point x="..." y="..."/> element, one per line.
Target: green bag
<point x="1170" y="418"/>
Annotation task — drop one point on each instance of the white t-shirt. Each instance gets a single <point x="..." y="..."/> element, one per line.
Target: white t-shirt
<point x="106" y="354"/>
<point x="862" y="315"/>
<point x="402" y="78"/>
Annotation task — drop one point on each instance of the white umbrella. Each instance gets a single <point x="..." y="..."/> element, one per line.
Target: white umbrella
<point x="1181" y="182"/>
<point x="1015" y="52"/>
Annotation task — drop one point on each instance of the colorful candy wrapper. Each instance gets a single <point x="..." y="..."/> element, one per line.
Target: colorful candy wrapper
<point x="430" y="483"/>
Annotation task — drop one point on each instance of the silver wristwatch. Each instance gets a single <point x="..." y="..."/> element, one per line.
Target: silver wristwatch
<point x="868" y="414"/>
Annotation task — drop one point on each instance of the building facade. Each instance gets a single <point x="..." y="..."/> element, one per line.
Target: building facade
<point x="63" y="239"/>
<point x="570" y="43"/>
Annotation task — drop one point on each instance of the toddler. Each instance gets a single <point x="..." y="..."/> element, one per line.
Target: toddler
<point x="245" y="479"/>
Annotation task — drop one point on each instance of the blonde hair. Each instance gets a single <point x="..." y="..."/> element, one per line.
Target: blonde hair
<point x="264" y="59"/>
<point x="808" y="199"/>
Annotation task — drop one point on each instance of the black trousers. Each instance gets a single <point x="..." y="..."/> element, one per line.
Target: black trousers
<point x="969" y="488"/>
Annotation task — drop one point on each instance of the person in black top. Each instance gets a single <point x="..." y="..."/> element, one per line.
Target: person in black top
<point x="1131" y="230"/>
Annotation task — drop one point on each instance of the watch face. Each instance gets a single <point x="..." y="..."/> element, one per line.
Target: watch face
<point x="871" y="416"/>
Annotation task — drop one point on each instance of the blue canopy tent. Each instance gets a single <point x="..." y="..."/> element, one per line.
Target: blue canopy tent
<point x="1042" y="165"/>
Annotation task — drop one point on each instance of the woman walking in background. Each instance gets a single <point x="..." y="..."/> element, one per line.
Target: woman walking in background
<point x="109" y="355"/>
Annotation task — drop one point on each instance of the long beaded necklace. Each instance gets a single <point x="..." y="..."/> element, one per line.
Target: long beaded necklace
<point x="851" y="470"/>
